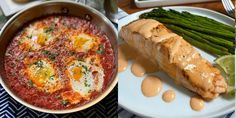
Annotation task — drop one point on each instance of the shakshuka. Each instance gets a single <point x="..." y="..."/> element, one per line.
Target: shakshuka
<point x="59" y="62"/>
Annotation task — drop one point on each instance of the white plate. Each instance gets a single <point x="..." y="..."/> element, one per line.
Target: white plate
<point x="131" y="98"/>
<point x="152" y="3"/>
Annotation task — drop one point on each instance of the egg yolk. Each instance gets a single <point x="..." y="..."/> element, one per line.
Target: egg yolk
<point x="82" y="42"/>
<point x="77" y="73"/>
<point x="39" y="73"/>
<point x="41" y="39"/>
<point x="79" y="42"/>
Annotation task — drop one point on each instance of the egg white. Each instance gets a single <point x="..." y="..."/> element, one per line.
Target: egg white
<point x="83" y="42"/>
<point x="88" y="82"/>
<point x="32" y="37"/>
<point x="43" y="76"/>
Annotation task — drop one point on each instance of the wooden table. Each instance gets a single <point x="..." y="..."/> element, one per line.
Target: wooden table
<point x="129" y="6"/>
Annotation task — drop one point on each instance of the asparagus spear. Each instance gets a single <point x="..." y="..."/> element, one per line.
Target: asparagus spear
<point x="216" y="40"/>
<point x="229" y="35"/>
<point x="204" y="46"/>
<point x="208" y="21"/>
<point x="196" y="37"/>
<point x="200" y="20"/>
<point x="227" y="44"/>
<point x="200" y="29"/>
<point x="191" y="22"/>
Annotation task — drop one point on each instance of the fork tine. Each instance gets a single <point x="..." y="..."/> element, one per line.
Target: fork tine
<point x="228" y="6"/>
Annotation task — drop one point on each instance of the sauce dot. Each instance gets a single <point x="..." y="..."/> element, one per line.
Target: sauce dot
<point x="137" y="69"/>
<point x="151" y="86"/>
<point x="196" y="103"/>
<point x="168" y="96"/>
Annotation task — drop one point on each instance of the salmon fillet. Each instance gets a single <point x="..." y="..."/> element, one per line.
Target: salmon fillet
<point x="172" y="54"/>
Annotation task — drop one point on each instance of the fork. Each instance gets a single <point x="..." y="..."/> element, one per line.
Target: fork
<point x="229" y="7"/>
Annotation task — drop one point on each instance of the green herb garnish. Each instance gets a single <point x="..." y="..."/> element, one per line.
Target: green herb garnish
<point x="85" y="67"/>
<point x="30" y="83"/>
<point x="49" y="29"/>
<point x="100" y="49"/>
<point x="39" y="64"/>
<point x="51" y="77"/>
<point x="52" y="56"/>
<point x="86" y="84"/>
<point x="29" y="36"/>
<point x="49" y="54"/>
<point x="46" y="52"/>
<point x="64" y="102"/>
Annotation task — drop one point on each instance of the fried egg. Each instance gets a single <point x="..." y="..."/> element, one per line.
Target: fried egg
<point x="34" y="38"/>
<point x="83" y="42"/>
<point x="84" y="79"/>
<point x="43" y="76"/>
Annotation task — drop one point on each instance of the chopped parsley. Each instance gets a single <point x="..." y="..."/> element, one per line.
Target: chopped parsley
<point x="100" y="49"/>
<point x="64" y="102"/>
<point x="30" y="83"/>
<point x="85" y="67"/>
<point x="45" y="52"/>
<point x="49" y="29"/>
<point x="49" y="54"/>
<point x="39" y="64"/>
<point x="86" y="83"/>
<point x="51" y="77"/>
<point x="29" y="36"/>
<point x="52" y="56"/>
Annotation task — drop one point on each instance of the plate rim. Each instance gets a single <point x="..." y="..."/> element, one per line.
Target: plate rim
<point x="176" y="7"/>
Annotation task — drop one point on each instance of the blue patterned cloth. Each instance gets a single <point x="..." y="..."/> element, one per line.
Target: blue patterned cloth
<point x="10" y="108"/>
